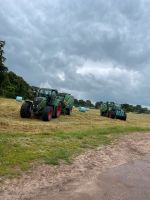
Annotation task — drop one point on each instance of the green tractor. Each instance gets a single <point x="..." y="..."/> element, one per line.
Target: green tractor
<point x="112" y="110"/>
<point x="46" y="104"/>
<point x="67" y="101"/>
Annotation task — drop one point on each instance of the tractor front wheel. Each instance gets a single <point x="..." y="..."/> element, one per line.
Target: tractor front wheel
<point x="47" y="113"/>
<point x="25" y="111"/>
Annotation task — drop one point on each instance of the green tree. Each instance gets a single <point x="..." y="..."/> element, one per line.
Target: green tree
<point x="11" y="85"/>
<point x="138" y="109"/>
<point x="98" y="104"/>
<point x="3" y="68"/>
<point x="82" y="102"/>
<point x="88" y="103"/>
<point x="76" y="102"/>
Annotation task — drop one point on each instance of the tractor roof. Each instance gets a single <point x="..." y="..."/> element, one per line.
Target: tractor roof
<point x="48" y="89"/>
<point x="63" y="93"/>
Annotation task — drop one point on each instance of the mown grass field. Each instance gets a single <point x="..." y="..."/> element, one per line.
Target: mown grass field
<point x="27" y="141"/>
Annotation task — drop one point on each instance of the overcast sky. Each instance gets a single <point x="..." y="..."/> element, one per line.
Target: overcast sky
<point x="94" y="49"/>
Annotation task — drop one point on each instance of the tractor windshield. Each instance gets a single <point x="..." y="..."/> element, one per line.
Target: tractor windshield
<point x="118" y="106"/>
<point x="44" y="92"/>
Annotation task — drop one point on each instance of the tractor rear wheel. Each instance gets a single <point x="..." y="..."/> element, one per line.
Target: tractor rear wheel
<point x="109" y="114"/>
<point x="113" y="114"/>
<point x="47" y="113"/>
<point x="58" y="111"/>
<point x="25" y="111"/>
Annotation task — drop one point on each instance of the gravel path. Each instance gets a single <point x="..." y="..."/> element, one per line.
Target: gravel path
<point x="44" y="180"/>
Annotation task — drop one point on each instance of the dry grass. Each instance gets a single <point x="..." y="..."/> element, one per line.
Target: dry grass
<point x="23" y="141"/>
<point x="11" y="122"/>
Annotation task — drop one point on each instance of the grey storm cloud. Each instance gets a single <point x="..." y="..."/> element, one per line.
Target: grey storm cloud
<point x="98" y="50"/>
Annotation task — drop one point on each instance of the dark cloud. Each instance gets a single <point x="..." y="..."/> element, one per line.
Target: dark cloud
<point x="97" y="49"/>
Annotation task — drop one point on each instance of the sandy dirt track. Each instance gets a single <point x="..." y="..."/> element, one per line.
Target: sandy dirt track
<point x="130" y="181"/>
<point x="44" y="180"/>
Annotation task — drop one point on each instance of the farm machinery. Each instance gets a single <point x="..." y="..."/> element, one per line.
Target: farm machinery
<point x="112" y="110"/>
<point x="47" y="103"/>
<point x="67" y="102"/>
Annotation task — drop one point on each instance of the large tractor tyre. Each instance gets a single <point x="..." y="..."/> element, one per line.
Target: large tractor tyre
<point x="113" y="115"/>
<point x="58" y="111"/>
<point x="117" y="117"/>
<point x="104" y="114"/>
<point x="47" y="113"/>
<point x="124" y="118"/>
<point x="25" y="111"/>
<point x="110" y="114"/>
<point x="68" y="111"/>
<point x="107" y="114"/>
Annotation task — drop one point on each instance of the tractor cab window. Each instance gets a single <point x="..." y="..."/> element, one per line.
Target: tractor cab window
<point x="44" y="93"/>
<point x="118" y="106"/>
<point x="53" y="93"/>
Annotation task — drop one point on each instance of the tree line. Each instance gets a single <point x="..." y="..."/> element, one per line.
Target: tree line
<point x="83" y="103"/>
<point x="11" y="85"/>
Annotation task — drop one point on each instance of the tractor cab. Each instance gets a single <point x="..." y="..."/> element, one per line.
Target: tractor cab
<point x="49" y="94"/>
<point x="44" y="92"/>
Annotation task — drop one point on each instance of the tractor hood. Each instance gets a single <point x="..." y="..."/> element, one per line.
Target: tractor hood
<point x="39" y="99"/>
<point x="39" y="103"/>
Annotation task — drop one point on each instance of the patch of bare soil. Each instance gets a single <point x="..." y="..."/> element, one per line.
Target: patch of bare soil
<point x="85" y="167"/>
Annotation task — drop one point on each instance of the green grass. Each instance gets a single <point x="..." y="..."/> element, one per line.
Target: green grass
<point x="17" y="151"/>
